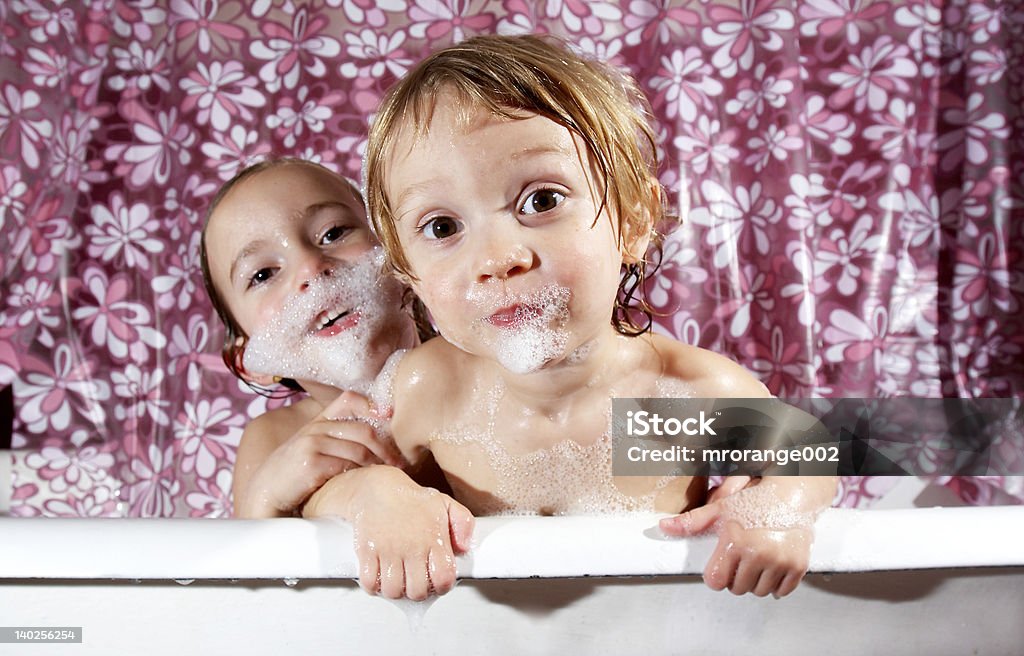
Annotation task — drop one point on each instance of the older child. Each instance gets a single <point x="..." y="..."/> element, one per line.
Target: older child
<point x="293" y="272"/>
<point x="513" y="186"/>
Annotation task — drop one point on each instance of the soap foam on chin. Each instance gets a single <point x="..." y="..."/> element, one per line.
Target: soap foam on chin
<point x="287" y="346"/>
<point x="536" y="336"/>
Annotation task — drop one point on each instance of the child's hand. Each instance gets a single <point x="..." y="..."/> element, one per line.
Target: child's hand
<point x="407" y="536"/>
<point x="765" y="531"/>
<point x="333" y="442"/>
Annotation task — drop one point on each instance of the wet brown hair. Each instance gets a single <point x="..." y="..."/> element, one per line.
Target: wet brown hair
<point x="510" y="75"/>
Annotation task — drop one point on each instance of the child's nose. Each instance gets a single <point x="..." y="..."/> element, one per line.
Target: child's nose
<point x="506" y="261"/>
<point x="312" y="269"/>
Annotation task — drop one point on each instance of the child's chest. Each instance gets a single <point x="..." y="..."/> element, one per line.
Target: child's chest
<point x="530" y="463"/>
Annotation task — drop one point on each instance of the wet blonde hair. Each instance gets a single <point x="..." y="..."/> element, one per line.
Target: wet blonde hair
<point x="510" y="75"/>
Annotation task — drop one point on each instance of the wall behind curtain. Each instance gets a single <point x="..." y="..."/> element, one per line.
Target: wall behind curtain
<point x="849" y="174"/>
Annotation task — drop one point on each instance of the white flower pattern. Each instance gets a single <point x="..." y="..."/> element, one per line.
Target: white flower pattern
<point x="845" y="172"/>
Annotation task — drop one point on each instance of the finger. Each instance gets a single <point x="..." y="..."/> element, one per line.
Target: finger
<point x="386" y="451"/>
<point x="382" y="448"/>
<point x="392" y="578"/>
<point x="369" y="571"/>
<point x="441" y="559"/>
<point x="417" y="580"/>
<point x="358" y="432"/>
<point x="323" y="469"/>
<point x="295" y="482"/>
<point x="747" y="575"/>
<point x="691" y="523"/>
<point x="347" y="406"/>
<point x="731" y="485"/>
<point x="789" y="583"/>
<point x="441" y="567"/>
<point x="769" y="582"/>
<point x="460" y="526"/>
<point x="346" y="450"/>
<point x="721" y="568"/>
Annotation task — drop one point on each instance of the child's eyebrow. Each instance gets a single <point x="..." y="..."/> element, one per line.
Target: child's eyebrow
<point x="306" y="213"/>
<point x="413" y="190"/>
<point x="250" y="249"/>
<point x="544" y="149"/>
<point x="523" y="153"/>
<point x="311" y="210"/>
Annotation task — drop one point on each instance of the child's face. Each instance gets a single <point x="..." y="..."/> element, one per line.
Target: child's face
<point x="291" y="255"/>
<point x="498" y="219"/>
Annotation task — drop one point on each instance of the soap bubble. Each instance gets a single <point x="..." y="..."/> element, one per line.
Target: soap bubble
<point x="325" y="334"/>
<point x="568" y="477"/>
<point x="532" y="329"/>
<point x="761" y="506"/>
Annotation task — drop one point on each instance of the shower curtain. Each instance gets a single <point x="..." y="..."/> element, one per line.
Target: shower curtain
<point x="849" y="176"/>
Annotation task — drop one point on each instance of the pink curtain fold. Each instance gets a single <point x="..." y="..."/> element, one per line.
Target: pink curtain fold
<point x="850" y="175"/>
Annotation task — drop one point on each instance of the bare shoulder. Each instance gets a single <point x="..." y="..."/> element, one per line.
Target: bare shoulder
<point x="709" y="373"/>
<point x="430" y="369"/>
<point x="426" y="382"/>
<point x="264" y="434"/>
<point x="271" y="429"/>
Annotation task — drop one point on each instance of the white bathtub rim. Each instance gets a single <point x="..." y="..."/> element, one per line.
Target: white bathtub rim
<point x="519" y="547"/>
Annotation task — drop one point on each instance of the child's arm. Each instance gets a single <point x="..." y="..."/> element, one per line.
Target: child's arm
<point x="275" y="473"/>
<point x="765" y="530"/>
<point x="405" y="535"/>
<point x="765" y="526"/>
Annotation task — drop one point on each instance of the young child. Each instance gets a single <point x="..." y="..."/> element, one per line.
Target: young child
<point x="513" y="185"/>
<point x="293" y="272"/>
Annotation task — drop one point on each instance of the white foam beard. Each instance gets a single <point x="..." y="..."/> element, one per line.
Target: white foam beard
<point x="287" y="345"/>
<point x="533" y="339"/>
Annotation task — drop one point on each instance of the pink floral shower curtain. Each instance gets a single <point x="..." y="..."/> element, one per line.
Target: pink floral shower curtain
<point x="850" y="173"/>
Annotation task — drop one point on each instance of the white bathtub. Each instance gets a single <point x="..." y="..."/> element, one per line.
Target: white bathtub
<point x="918" y="581"/>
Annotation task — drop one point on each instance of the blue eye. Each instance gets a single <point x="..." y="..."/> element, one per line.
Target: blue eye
<point x="441" y="227"/>
<point x="542" y="200"/>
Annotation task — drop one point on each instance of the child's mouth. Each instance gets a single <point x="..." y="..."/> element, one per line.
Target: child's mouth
<point x="334" y="322"/>
<point x="514" y="316"/>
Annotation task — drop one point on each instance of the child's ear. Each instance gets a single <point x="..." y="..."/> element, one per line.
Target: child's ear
<point x="634" y="246"/>
<point x="638" y="233"/>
